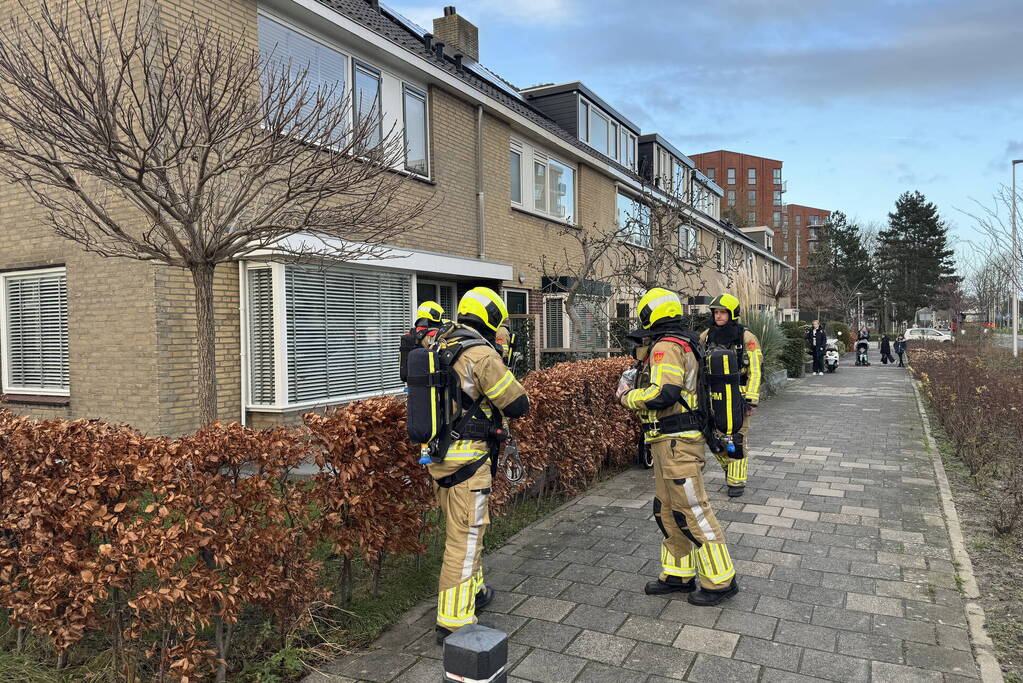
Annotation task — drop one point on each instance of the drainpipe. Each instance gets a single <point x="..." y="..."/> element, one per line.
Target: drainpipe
<point x="243" y="321"/>
<point x="481" y="226"/>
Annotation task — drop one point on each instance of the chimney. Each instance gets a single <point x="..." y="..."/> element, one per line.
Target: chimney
<point x="459" y="33"/>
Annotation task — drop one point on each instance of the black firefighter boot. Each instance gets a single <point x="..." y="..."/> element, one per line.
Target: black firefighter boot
<point x="674" y="584"/>
<point x="736" y="491"/>
<point x="709" y="598"/>
<point x="484" y="597"/>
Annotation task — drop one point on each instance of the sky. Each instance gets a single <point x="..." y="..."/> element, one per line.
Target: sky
<point x="861" y="100"/>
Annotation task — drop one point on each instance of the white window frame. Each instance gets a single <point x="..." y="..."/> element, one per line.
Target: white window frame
<point x="566" y="321"/>
<point x="751" y="196"/>
<point x="689" y="245"/>
<point x="281" y="380"/>
<point x="392" y="86"/>
<point x="449" y="314"/>
<point x="777" y="198"/>
<point x="731" y="176"/>
<point x="625" y="154"/>
<point x="5" y="330"/>
<point x="528" y="156"/>
<point x="730" y="198"/>
<point x="710" y="174"/>
<point x="516" y="148"/>
<point x="751" y="176"/>
<point x="406" y="90"/>
<point x="649" y="228"/>
<point x="776" y="219"/>
<point x="776" y="176"/>
<point x="515" y="290"/>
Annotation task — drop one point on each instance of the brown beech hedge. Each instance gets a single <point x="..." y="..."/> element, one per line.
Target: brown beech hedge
<point x="162" y="543"/>
<point x="977" y="396"/>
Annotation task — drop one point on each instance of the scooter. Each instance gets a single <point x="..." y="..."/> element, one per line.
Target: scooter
<point x="831" y="358"/>
<point x="861" y="353"/>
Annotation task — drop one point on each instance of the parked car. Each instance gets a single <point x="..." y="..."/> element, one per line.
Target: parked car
<point x="928" y="334"/>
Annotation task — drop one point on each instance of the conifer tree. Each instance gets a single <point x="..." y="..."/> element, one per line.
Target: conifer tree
<point x="913" y="257"/>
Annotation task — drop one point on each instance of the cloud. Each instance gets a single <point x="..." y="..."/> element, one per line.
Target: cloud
<point x="815" y="51"/>
<point x="1000" y="164"/>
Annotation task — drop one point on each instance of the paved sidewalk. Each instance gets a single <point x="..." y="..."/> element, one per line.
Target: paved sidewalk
<point x="840" y="544"/>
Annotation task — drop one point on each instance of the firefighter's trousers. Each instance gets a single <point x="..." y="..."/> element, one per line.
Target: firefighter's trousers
<point x="736" y="469"/>
<point x="467" y="515"/>
<point x="693" y="541"/>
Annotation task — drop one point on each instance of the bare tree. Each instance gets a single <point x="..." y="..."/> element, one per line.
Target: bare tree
<point x="662" y="246"/>
<point x="992" y="221"/>
<point x="187" y="148"/>
<point x="778" y="285"/>
<point x="579" y="263"/>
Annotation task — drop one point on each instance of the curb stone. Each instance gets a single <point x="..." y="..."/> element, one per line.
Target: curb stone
<point x="990" y="670"/>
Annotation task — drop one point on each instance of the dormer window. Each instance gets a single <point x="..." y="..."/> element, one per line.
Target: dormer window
<point x="606" y="135"/>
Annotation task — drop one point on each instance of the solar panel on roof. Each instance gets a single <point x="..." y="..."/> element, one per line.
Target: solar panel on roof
<point x="467" y="63"/>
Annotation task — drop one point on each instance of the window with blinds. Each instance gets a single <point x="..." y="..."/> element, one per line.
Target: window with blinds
<point x="554" y="323"/>
<point x="35" y="343"/>
<point x="592" y="315"/>
<point x="285" y="48"/>
<point x="262" y="390"/>
<point x="342" y="330"/>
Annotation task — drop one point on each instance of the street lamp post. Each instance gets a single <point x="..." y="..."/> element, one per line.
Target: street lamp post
<point x="859" y="311"/>
<point x="1015" y="266"/>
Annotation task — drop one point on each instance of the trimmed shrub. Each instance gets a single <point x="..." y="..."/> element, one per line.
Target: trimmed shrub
<point x="157" y="545"/>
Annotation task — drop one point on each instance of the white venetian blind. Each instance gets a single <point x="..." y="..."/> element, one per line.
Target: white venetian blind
<point x="37" y="332"/>
<point x="343" y="327"/>
<point x="554" y="314"/>
<point x="261" y="337"/>
<point x="284" y="47"/>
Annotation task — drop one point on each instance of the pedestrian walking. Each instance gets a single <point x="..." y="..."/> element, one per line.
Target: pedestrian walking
<point x="886" y="350"/>
<point x="900" y="349"/>
<point x="817" y="340"/>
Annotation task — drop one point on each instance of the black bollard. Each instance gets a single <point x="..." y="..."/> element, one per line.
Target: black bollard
<point x="476" y="654"/>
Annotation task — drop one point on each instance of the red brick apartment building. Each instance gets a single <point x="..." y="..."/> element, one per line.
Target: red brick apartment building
<point x="753" y="187"/>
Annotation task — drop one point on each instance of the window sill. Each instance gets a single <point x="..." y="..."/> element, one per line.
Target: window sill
<point x="537" y="214"/>
<point x="35" y="400"/>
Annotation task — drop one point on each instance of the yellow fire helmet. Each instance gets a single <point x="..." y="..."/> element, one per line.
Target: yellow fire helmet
<point x="484" y="304"/>
<point x="431" y="310"/>
<point x="658" y="304"/>
<point x="726" y="302"/>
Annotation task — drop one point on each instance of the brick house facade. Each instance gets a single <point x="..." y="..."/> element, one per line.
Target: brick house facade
<point x="114" y="339"/>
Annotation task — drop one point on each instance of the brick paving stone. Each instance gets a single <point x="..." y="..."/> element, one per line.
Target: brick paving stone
<point x="546" y="634"/>
<point x="602" y="673"/>
<point x="777" y="676"/>
<point x="874" y="647"/>
<point x="756" y="625"/>
<point x="768" y="653"/>
<point x="709" y="641"/>
<point x="588" y="594"/>
<point x="874" y="604"/>
<point x="660" y="660"/>
<point x="646" y="629"/>
<point x="596" y="618"/>
<point x="884" y="672"/>
<point x="543" y="586"/>
<point x="836" y="617"/>
<point x="712" y="669"/>
<point x="940" y="659"/>
<point x="682" y="613"/>
<point x="550" y="609"/>
<point x="552" y="667"/>
<point x="806" y="635"/>
<point x="834" y="667"/>
<point x="601" y="647"/>
<point x="784" y="609"/>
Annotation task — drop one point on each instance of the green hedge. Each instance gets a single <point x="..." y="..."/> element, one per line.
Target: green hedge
<point x="833" y="327"/>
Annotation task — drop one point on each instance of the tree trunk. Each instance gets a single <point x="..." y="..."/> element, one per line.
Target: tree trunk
<point x="202" y="279"/>
<point x="222" y="640"/>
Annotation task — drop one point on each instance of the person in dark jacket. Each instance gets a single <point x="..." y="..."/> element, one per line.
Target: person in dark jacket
<point x="886" y="350"/>
<point x="900" y="349"/>
<point x="817" y="340"/>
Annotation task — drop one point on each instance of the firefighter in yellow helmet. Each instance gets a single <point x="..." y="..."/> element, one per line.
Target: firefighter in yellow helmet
<point x="462" y="480"/>
<point x="726" y="332"/>
<point x="666" y="397"/>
